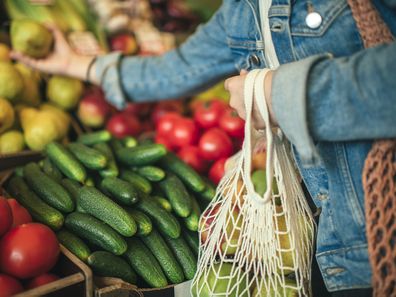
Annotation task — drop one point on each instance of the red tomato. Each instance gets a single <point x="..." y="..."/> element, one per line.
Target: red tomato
<point x="190" y="155"/>
<point x="164" y="107"/>
<point x="163" y="140"/>
<point x="232" y="123"/>
<point x="5" y="216"/>
<point x="138" y="109"/>
<point x="166" y="122"/>
<point x="28" y="250"/>
<point x="41" y="280"/>
<point x="184" y="132"/>
<point x="19" y="213"/>
<point x="207" y="114"/>
<point x="9" y="286"/>
<point x="215" y="144"/>
<point x="123" y="124"/>
<point x="216" y="172"/>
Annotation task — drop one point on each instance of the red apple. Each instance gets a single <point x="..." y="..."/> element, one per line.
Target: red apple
<point x="140" y="110"/>
<point x="123" y="124"/>
<point x="93" y="110"/>
<point x="125" y="43"/>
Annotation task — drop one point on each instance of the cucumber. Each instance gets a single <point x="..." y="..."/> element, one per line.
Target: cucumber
<point x="106" y="264"/>
<point x="96" y="232"/>
<point x="129" y="141"/>
<point x="192" y="221"/>
<point x="94" y="137"/>
<point x="163" y="202"/>
<point x="192" y="240"/>
<point x="51" y="170"/>
<point x="187" y="174"/>
<point x="164" y="220"/>
<point x="66" y="162"/>
<point x="141" y="155"/>
<point x="39" y="210"/>
<point x="90" y="182"/>
<point x="102" y="207"/>
<point x="18" y="171"/>
<point x="163" y="254"/>
<point x="209" y="192"/>
<point x="139" y="182"/>
<point x="144" y="263"/>
<point x="143" y="222"/>
<point x="152" y="173"/>
<point x="116" y="144"/>
<point x="177" y="195"/>
<point x="184" y="255"/>
<point x="120" y="190"/>
<point x="90" y="157"/>
<point x="111" y="169"/>
<point x="48" y="189"/>
<point x="74" y="244"/>
<point x="72" y="187"/>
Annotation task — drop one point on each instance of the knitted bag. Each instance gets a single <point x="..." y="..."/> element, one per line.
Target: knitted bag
<point x="379" y="173"/>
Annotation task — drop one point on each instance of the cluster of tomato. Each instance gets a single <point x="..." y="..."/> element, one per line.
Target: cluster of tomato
<point x="205" y="141"/>
<point x="27" y="250"/>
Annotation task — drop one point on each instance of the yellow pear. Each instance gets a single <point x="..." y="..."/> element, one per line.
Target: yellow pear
<point x="11" y="142"/>
<point x="40" y="130"/>
<point x="11" y="82"/>
<point x="7" y="115"/>
<point x="26" y="114"/>
<point x="30" y="94"/>
<point x="4" y="52"/>
<point x="64" y="92"/>
<point x="60" y="119"/>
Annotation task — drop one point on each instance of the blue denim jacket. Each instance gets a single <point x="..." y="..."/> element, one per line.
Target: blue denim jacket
<point x="331" y="98"/>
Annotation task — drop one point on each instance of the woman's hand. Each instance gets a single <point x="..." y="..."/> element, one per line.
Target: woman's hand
<point x="235" y="85"/>
<point x="62" y="60"/>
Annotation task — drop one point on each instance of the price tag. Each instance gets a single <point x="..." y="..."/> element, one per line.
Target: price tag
<point x="85" y="43"/>
<point x="42" y="2"/>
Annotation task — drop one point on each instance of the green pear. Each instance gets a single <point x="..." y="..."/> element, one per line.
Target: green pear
<point x="31" y="38"/>
<point x="11" y="82"/>
<point x="7" y="115"/>
<point x="31" y="93"/>
<point x="11" y="142"/>
<point x="64" y="92"/>
<point x="289" y="292"/>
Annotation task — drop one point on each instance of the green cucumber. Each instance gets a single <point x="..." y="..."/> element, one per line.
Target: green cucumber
<point x="164" y="220"/>
<point x="72" y="187"/>
<point x="143" y="222"/>
<point x="141" y="155"/>
<point x="139" y="182"/>
<point x="66" y="162"/>
<point x="129" y="141"/>
<point x="96" y="232"/>
<point x="209" y="192"/>
<point x="184" y="255"/>
<point x="152" y="173"/>
<point x="177" y="195"/>
<point x="187" y="174"/>
<point x="192" y="221"/>
<point x="120" y="190"/>
<point x="39" y="210"/>
<point x="94" y="137"/>
<point x="102" y="207"/>
<point x="108" y="265"/>
<point x="111" y="169"/>
<point x="90" y="157"/>
<point x="74" y="244"/>
<point x="192" y="240"/>
<point x="163" y="202"/>
<point x="90" y="182"/>
<point x="163" y="254"/>
<point x="48" y="189"/>
<point x="51" y="170"/>
<point x="116" y="144"/>
<point x="145" y="264"/>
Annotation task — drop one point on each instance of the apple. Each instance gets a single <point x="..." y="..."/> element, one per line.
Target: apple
<point x="290" y="289"/>
<point x="123" y="124"/>
<point x="125" y="43"/>
<point x="140" y="110"/>
<point x="259" y="160"/>
<point x="93" y="110"/>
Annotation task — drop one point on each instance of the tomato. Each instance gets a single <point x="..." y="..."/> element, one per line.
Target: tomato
<point x="216" y="172"/>
<point x="207" y="114"/>
<point x="5" y="216"/>
<point x="19" y="213"/>
<point x="232" y="123"/>
<point x="166" y="122"/>
<point x="164" y="107"/>
<point x="163" y="140"/>
<point x="190" y="155"/>
<point x="123" y="124"/>
<point x="28" y="250"/>
<point x="9" y="286"/>
<point x="184" y="132"/>
<point x="140" y="110"/>
<point x="41" y="280"/>
<point x="215" y="144"/>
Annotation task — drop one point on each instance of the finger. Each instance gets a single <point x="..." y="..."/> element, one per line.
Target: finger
<point x="243" y="72"/>
<point x="226" y="84"/>
<point x="58" y="34"/>
<point x="24" y="59"/>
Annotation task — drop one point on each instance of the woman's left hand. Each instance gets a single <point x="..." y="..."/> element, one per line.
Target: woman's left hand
<point x="235" y="85"/>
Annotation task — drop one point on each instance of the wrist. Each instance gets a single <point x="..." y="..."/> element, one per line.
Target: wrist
<point x="78" y="66"/>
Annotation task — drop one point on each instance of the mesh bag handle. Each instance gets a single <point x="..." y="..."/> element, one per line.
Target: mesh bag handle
<point x="379" y="173"/>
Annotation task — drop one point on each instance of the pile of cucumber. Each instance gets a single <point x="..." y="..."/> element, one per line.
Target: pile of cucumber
<point x="130" y="210"/>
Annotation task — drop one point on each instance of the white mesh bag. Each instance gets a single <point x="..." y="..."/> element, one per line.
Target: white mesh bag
<point x="252" y="245"/>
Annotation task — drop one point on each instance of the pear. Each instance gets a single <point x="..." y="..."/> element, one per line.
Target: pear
<point x="11" y="142"/>
<point x="11" y="82"/>
<point x="288" y="292"/>
<point x="65" y="92"/>
<point x="7" y="115"/>
<point x="31" y="38"/>
<point x="40" y="130"/>
<point x="4" y="53"/>
<point x="30" y="94"/>
<point x="61" y="118"/>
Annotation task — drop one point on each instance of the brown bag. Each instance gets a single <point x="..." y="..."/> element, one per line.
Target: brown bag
<point x="379" y="173"/>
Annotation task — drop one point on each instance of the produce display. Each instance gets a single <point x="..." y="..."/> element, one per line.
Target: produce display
<point x="28" y="251"/>
<point x="128" y="209"/>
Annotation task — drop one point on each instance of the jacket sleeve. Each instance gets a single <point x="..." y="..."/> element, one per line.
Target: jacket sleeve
<point x="323" y="98"/>
<point x="201" y="61"/>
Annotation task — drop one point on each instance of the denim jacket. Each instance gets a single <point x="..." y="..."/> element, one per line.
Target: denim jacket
<point x="330" y="96"/>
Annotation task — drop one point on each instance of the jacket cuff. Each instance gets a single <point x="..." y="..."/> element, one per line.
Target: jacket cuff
<point x="107" y="71"/>
<point x="289" y="96"/>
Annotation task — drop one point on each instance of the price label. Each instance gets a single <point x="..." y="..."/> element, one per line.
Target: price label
<point x="85" y="43"/>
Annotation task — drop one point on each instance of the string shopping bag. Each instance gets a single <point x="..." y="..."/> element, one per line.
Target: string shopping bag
<point x="252" y="245"/>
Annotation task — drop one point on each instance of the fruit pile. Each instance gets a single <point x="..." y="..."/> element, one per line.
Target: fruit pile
<point x="28" y="251"/>
<point x="130" y="210"/>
